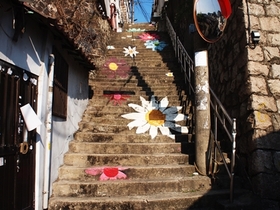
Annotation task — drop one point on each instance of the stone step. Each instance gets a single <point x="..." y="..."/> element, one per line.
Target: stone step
<point x="167" y="53"/>
<point x="105" y="83"/>
<point x="110" y="109"/>
<point x="122" y="128"/>
<point x="111" y="124"/>
<point x="150" y="82"/>
<point x="118" y="50"/>
<point x="132" y="172"/>
<point x="88" y="160"/>
<point x="135" y="41"/>
<point x="150" y="72"/>
<point x="86" y="136"/>
<point x="126" y="148"/>
<point x="129" y="88"/>
<point x="137" y="91"/>
<point x="147" y="80"/>
<point x="158" y="201"/>
<point x="129" y="187"/>
<point x="101" y="100"/>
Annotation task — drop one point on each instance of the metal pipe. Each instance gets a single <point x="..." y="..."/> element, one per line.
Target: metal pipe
<point x="233" y="158"/>
<point x="48" y="124"/>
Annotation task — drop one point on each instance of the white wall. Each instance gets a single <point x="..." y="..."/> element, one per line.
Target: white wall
<point x="31" y="52"/>
<point x="77" y="101"/>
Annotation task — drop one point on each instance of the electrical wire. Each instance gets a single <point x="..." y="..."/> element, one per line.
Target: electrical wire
<point x="143" y="10"/>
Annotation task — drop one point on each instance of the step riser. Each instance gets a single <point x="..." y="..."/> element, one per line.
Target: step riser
<point x="98" y="148"/>
<point x="135" y="99"/>
<point x="123" y="160"/>
<point x="179" y="203"/>
<point x="127" y="138"/>
<point x="67" y="173"/>
<point x="125" y="188"/>
<point x="120" y="129"/>
<point x="122" y="84"/>
<point x="139" y="92"/>
<point x="119" y="125"/>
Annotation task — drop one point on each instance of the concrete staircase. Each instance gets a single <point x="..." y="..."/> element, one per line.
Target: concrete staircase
<point x="154" y="174"/>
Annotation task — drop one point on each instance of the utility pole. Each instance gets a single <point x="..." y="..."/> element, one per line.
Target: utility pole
<point x="132" y="11"/>
<point x="202" y="104"/>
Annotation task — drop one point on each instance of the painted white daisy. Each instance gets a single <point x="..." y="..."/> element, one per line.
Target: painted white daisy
<point x="130" y="51"/>
<point x="154" y="115"/>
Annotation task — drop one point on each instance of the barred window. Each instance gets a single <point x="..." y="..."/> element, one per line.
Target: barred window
<point x="60" y="85"/>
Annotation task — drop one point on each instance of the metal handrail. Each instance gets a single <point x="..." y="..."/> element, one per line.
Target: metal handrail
<point x="218" y="111"/>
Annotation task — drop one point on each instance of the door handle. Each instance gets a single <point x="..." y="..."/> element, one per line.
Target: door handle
<point x="23" y="148"/>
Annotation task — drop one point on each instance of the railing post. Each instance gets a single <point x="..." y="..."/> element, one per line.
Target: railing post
<point x="233" y="158"/>
<point x="202" y="105"/>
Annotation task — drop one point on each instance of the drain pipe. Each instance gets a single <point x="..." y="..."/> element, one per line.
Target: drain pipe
<point x="48" y="125"/>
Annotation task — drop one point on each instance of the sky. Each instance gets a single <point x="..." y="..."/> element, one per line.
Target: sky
<point x="139" y="13"/>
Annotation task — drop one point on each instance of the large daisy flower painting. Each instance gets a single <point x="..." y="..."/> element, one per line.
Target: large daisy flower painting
<point x="156" y="115"/>
<point x="131" y="51"/>
<point x="115" y="67"/>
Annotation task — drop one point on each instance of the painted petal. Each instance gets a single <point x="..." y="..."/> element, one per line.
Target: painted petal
<point x="122" y="168"/>
<point x="103" y="177"/>
<point x="164" y="102"/>
<point x="145" y="104"/>
<point x="164" y="130"/>
<point x="175" y="117"/>
<point x="153" y="131"/>
<point x="133" y="116"/>
<point x="153" y="103"/>
<point x="94" y="171"/>
<point x="143" y="129"/>
<point x="136" y="123"/>
<point x="137" y="108"/>
<point x="121" y="175"/>
<point x="169" y="124"/>
<point x="172" y="110"/>
<point x="181" y="129"/>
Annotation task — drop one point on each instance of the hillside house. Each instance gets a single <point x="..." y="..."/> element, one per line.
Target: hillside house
<point x="45" y="60"/>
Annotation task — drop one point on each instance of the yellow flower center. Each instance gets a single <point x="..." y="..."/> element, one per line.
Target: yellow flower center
<point x="113" y="66"/>
<point x="155" y="117"/>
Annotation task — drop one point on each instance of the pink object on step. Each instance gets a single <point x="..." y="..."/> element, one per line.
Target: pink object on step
<point x="117" y="99"/>
<point x="107" y="173"/>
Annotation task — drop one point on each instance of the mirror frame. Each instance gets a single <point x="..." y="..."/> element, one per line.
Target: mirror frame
<point x="225" y="6"/>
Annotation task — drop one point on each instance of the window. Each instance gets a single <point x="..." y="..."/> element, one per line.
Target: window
<point x="60" y="85"/>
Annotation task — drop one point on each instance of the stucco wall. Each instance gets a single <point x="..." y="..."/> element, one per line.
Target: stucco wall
<point x="77" y="101"/>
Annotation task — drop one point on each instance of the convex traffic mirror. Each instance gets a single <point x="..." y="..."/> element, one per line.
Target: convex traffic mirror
<point x="210" y="18"/>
